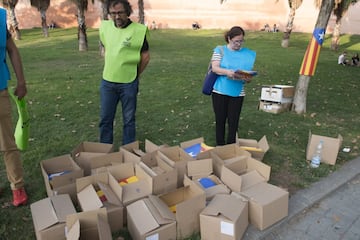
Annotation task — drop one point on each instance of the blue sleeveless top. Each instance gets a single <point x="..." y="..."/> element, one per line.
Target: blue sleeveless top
<point x="4" y="71"/>
<point x="242" y="59"/>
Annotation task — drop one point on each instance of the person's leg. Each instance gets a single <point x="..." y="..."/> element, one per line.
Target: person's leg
<point x="12" y="160"/>
<point x="234" y="110"/>
<point x="109" y="99"/>
<point x="128" y="98"/>
<point x="219" y="106"/>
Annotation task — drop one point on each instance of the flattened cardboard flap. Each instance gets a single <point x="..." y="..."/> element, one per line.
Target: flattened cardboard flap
<point x="52" y="210"/>
<point x="200" y="168"/>
<point x="330" y="150"/>
<point x="142" y="217"/>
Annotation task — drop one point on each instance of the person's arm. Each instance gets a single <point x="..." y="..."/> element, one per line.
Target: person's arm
<point x="144" y="60"/>
<point x="16" y="62"/>
<point x="215" y="65"/>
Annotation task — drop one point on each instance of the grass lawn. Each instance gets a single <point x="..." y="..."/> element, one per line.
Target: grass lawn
<point x="63" y="100"/>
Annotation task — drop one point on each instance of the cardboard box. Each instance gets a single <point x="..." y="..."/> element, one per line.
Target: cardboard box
<point x="49" y="216"/>
<point x="164" y="177"/>
<point x="177" y="158"/>
<point x="201" y="170"/>
<point x="273" y="107"/>
<point x="150" y="218"/>
<point x="134" y="148"/>
<point x="256" y="148"/>
<point x="90" y="225"/>
<point x="89" y="200"/>
<point x="244" y="174"/>
<point x="60" y="174"/>
<point x="268" y="203"/>
<point x="133" y="191"/>
<point x="226" y="217"/>
<point x="85" y="151"/>
<point x="330" y="150"/>
<point x="195" y="146"/>
<point x="224" y="155"/>
<point x="277" y="93"/>
<point x="187" y="203"/>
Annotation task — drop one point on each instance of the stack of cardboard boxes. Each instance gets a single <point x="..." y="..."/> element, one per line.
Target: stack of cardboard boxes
<point x="276" y="98"/>
<point x="164" y="192"/>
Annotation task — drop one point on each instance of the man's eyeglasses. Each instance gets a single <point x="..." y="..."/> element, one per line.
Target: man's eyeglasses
<point x="114" y="14"/>
<point x="238" y="41"/>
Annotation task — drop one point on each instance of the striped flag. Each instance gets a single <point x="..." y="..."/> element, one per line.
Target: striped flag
<point x="312" y="53"/>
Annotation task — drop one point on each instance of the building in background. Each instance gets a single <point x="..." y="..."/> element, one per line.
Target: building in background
<point x="210" y="14"/>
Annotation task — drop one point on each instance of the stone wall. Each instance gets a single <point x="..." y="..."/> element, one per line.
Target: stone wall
<point x="210" y="14"/>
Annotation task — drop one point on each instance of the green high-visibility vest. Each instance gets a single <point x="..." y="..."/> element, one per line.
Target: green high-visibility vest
<point x="122" y="50"/>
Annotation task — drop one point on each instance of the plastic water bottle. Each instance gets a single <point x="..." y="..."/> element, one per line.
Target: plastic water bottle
<point x="316" y="159"/>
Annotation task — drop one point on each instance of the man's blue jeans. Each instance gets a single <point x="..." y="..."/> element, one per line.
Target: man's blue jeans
<point x="110" y="95"/>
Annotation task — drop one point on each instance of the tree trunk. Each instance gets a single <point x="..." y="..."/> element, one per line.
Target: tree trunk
<point x="44" y="25"/>
<point x="299" y="102"/>
<point x="299" y="105"/>
<point x="82" y="37"/>
<point x="13" y="23"/>
<point x="336" y="36"/>
<point x="141" y="11"/>
<point x="289" y="26"/>
<point x="103" y="17"/>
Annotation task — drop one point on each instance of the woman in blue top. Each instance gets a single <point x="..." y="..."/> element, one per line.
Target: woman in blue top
<point x="228" y="92"/>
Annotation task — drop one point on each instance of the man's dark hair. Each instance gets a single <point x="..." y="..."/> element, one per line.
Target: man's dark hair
<point x="125" y="3"/>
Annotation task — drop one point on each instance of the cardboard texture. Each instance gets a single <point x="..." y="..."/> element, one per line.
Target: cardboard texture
<point x="90" y="225"/>
<point x="203" y="169"/>
<point x="225" y="218"/>
<point x="257" y="149"/>
<point x="89" y="200"/>
<point x="277" y="93"/>
<point x="60" y="174"/>
<point x="150" y="218"/>
<point x="85" y="151"/>
<point x="330" y="150"/>
<point x="273" y="107"/>
<point x="49" y="216"/>
<point x="187" y="202"/>
<point x="106" y="160"/>
<point x="177" y="158"/>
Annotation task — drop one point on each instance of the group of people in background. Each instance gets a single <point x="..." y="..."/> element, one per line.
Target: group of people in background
<point x="343" y="60"/>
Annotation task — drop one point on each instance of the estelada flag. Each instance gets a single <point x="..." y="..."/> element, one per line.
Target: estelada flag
<point x="312" y="53"/>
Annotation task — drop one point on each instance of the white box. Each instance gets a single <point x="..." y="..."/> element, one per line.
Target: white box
<point x="277" y="93"/>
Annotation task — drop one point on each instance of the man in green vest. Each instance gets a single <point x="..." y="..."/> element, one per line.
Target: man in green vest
<point x="126" y="57"/>
<point x="13" y="165"/>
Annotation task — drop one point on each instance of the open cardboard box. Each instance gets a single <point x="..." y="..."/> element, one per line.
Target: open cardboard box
<point x="195" y="146"/>
<point x="186" y="203"/>
<point x="238" y="175"/>
<point x="150" y="218"/>
<point x="85" y="151"/>
<point x="330" y="150"/>
<point x="49" y="216"/>
<point x="200" y="170"/>
<point x="87" y="188"/>
<point x="226" y="217"/>
<point x="90" y="225"/>
<point x="60" y="174"/>
<point x="274" y="107"/>
<point x="256" y="148"/>
<point x="164" y="177"/>
<point x="177" y="158"/>
<point x="131" y="192"/>
<point x="268" y="203"/>
<point x="224" y="155"/>
<point x="134" y="148"/>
